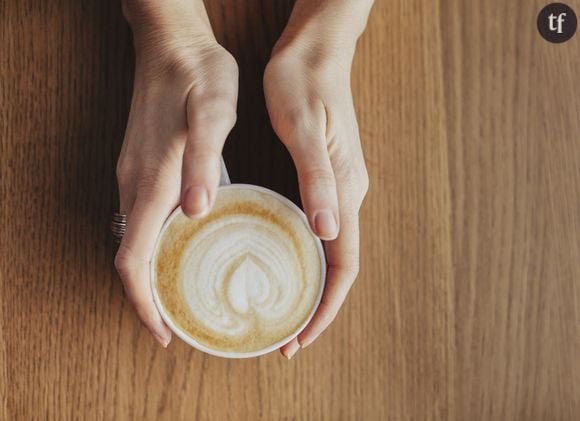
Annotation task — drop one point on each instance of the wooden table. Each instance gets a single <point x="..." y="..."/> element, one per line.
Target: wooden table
<point x="468" y="302"/>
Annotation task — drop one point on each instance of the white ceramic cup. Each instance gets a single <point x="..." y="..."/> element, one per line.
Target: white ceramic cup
<point x="225" y="354"/>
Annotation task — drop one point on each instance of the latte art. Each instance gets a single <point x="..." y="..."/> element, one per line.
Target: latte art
<point x="244" y="277"/>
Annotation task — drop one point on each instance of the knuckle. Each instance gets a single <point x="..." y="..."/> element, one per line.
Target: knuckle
<point x="214" y="107"/>
<point x="318" y="177"/>
<point x="357" y="175"/>
<point x="363" y="180"/>
<point x="124" y="262"/>
<point x="123" y="172"/>
<point x="228" y="64"/>
<point x="213" y="97"/>
<point x="355" y="179"/>
<point x="229" y="116"/>
<point x="208" y="152"/>
<point x="298" y="127"/>
<point x="304" y="126"/>
<point x="299" y="118"/>
<point x="217" y="62"/>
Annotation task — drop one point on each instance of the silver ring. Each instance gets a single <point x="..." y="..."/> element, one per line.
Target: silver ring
<point x="118" y="226"/>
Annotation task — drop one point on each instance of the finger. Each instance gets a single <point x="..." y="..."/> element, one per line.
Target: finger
<point x="342" y="257"/>
<point x="290" y="349"/>
<point x="209" y="126"/>
<point x="317" y="188"/>
<point x="316" y="179"/>
<point x="125" y="181"/>
<point x="133" y="258"/>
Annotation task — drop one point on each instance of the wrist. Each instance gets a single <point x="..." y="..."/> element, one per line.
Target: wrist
<point x="326" y="26"/>
<point x="160" y="27"/>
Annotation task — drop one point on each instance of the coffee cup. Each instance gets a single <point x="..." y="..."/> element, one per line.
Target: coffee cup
<point x="242" y="281"/>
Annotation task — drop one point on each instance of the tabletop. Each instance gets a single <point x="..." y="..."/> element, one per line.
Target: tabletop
<point x="467" y="305"/>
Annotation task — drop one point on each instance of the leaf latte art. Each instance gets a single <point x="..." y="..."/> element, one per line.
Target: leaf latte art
<point x="243" y="278"/>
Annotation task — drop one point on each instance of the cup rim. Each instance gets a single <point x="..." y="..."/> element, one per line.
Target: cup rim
<point x="227" y="354"/>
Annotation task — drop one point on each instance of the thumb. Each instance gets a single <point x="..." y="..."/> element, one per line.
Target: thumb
<point x="209" y="125"/>
<point x="308" y="149"/>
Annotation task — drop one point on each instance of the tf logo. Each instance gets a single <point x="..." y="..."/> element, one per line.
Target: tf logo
<point x="557" y="23"/>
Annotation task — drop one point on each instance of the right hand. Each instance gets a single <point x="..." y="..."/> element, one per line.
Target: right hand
<point x="183" y="107"/>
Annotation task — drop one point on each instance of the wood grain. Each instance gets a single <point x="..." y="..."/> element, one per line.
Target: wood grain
<point x="467" y="305"/>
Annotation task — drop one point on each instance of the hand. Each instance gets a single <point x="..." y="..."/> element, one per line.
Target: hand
<point x="183" y="107"/>
<point x="307" y="89"/>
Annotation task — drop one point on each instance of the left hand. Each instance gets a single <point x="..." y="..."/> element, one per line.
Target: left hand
<point x="308" y="96"/>
<point x="184" y="105"/>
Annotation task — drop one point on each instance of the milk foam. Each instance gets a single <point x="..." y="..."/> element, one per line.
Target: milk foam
<point x="244" y="277"/>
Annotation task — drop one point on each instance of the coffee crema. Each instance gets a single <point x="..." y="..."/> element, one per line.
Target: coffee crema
<point x="244" y="277"/>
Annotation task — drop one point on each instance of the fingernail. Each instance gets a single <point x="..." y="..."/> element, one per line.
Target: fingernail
<point x="325" y="225"/>
<point x="295" y="346"/>
<point x="163" y="340"/>
<point x="195" y="201"/>
<point x="304" y="343"/>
